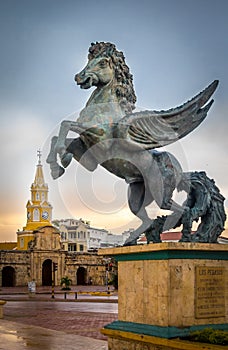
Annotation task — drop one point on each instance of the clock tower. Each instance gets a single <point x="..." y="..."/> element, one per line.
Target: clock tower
<point x="39" y="210"/>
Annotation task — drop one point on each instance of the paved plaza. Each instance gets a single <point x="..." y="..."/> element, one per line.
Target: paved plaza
<point x="17" y="336"/>
<point x="39" y="322"/>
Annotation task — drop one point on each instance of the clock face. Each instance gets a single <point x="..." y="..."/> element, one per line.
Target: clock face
<point x="45" y="215"/>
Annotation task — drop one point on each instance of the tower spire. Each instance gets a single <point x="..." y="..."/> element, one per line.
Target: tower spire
<point x="39" y="210"/>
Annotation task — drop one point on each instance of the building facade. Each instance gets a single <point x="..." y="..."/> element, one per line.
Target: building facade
<point x="39" y="254"/>
<point x="79" y="236"/>
<point x="46" y="258"/>
<point x="74" y="235"/>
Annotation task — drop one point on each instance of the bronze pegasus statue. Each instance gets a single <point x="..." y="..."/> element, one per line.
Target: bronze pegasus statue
<point x="124" y="142"/>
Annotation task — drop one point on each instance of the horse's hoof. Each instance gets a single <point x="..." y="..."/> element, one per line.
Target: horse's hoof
<point x="66" y="159"/>
<point x="129" y="242"/>
<point x="49" y="159"/>
<point x="56" y="171"/>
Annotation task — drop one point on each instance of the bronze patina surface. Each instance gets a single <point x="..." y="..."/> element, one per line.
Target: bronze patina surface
<point x="124" y="142"/>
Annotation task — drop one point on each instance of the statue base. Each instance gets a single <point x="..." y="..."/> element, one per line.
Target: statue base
<point x="167" y="290"/>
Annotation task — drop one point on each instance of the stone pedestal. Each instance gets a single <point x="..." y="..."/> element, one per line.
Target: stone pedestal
<point x="167" y="290"/>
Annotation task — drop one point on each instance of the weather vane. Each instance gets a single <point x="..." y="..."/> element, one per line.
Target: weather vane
<point x="39" y="154"/>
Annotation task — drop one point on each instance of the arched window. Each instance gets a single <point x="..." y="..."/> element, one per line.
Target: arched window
<point x="36" y="215"/>
<point x="22" y="242"/>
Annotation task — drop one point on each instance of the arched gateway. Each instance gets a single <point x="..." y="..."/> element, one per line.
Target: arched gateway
<point x="47" y="273"/>
<point x="8" y="276"/>
<point x="81" y="276"/>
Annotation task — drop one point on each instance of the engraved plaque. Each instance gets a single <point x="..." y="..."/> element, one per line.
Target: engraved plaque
<point x="209" y="292"/>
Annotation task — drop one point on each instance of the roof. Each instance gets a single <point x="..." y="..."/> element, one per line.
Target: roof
<point x="171" y="236"/>
<point x="8" y="245"/>
<point x="165" y="236"/>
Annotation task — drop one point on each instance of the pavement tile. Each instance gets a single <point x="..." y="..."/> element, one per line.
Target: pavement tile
<point x="48" y="315"/>
<point x="17" y="336"/>
<point x="42" y="324"/>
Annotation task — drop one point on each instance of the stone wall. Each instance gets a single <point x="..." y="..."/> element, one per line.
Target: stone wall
<point x="91" y="263"/>
<point x="28" y="265"/>
<point x="18" y="267"/>
<point x="19" y="262"/>
<point x="168" y="291"/>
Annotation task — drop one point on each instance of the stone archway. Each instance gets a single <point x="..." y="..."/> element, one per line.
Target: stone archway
<point x="8" y="276"/>
<point x="47" y="272"/>
<point x="81" y="276"/>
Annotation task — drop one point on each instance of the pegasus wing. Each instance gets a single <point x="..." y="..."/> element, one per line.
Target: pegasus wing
<point x="152" y="129"/>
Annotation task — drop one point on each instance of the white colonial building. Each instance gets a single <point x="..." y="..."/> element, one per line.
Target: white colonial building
<point x="78" y="236"/>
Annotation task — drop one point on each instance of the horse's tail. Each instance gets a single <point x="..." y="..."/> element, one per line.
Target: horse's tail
<point x="212" y="212"/>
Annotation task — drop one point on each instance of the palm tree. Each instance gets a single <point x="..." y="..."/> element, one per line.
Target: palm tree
<point x="66" y="282"/>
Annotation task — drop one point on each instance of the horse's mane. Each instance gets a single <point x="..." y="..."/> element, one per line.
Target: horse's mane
<point x="124" y="89"/>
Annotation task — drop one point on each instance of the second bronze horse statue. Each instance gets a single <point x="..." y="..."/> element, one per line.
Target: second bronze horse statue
<point x="123" y="141"/>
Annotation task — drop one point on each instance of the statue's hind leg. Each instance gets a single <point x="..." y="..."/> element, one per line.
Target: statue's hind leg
<point x="138" y="199"/>
<point x="164" y="176"/>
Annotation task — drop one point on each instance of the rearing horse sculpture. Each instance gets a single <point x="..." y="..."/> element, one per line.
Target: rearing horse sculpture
<point x="123" y="141"/>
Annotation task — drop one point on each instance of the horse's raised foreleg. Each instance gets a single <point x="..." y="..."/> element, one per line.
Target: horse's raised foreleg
<point x="61" y="144"/>
<point x="81" y="153"/>
<point x="56" y="169"/>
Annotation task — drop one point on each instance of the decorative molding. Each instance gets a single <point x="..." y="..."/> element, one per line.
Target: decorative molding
<point x="173" y="254"/>
<point x="160" y="331"/>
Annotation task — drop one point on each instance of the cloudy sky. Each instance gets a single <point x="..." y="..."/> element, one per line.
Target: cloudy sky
<point x="174" y="49"/>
